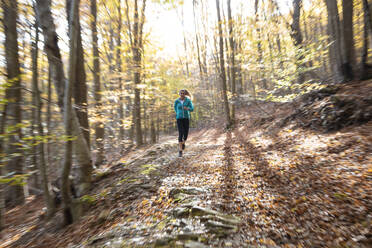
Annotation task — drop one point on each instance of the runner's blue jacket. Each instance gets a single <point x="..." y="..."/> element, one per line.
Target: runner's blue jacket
<point x="180" y="112"/>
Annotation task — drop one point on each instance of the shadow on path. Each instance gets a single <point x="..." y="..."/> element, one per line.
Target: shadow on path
<point x="229" y="177"/>
<point x="307" y="198"/>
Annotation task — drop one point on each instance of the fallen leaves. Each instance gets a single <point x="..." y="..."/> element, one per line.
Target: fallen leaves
<point x="292" y="188"/>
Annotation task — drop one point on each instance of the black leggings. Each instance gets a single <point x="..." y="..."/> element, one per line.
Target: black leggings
<point x="183" y="129"/>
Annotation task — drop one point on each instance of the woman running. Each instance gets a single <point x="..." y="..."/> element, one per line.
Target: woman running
<point x="183" y="106"/>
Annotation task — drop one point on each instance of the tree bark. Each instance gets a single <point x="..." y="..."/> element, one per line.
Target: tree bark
<point x="33" y="133"/>
<point x="324" y="43"/>
<point x="260" y="61"/>
<point x="99" y="125"/>
<point x="197" y="43"/>
<point x="222" y="68"/>
<point x="81" y="150"/>
<point x="152" y="127"/>
<point x="119" y="70"/>
<point x="368" y="14"/>
<point x="297" y="38"/>
<point x="308" y="38"/>
<point x="145" y="118"/>
<point x="157" y="126"/>
<point x="2" y="186"/>
<point x="232" y="59"/>
<point x="80" y="90"/>
<point x="336" y="48"/>
<point x="347" y="12"/>
<point x="14" y="97"/>
<point x="69" y="211"/>
<point x="367" y="29"/>
<point x="49" y="202"/>
<point x="184" y="43"/>
<point x="135" y="35"/>
<point x="49" y="114"/>
<point x="111" y="61"/>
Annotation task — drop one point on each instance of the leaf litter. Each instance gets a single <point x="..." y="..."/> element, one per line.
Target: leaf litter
<point x="288" y="185"/>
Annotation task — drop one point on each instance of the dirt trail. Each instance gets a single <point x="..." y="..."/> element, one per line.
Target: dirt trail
<point x="288" y="187"/>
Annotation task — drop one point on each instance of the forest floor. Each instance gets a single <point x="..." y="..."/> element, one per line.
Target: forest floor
<point x="288" y="175"/>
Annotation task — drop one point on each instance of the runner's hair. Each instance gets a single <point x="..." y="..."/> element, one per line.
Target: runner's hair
<point x="187" y="93"/>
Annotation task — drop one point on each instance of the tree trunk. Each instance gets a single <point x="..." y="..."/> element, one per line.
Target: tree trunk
<point x="137" y="47"/>
<point x="13" y="95"/>
<point x="137" y="74"/>
<point x="239" y="71"/>
<point x="222" y="68"/>
<point x="152" y="128"/>
<point x="81" y="150"/>
<point x="184" y="42"/>
<point x="260" y="61"/>
<point x="232" y="59"/>
<point x="308" y="38"/>
<point x="204" y="53"/>
<point x="336" y="48"/>
<point x="2" y="203"/>
<point x="132" y="127"/>
<point x="49" y="202"/>
<point x="68" y="207"/>
<point x="80" y="91"/>
<point x="49" y="114"/>
<point x="368" y="14"/>
<point x="111" y="61"/>
<point x="347" y="12"/>
<point x="34" y="165"/>
<point x="157" y="126"/>
<point x="197" y="43"/>
<point x="119" y="70"/>
<point x="297" y="38"/>
<point x="2" y="185"/>
<point x="33" y="133"/>
<point x="325" y="65"/>
<point x="99" y="125"/>
<point x="367" y="29"/>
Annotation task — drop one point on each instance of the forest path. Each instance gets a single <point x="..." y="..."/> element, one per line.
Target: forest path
<point x="258" y="185"/>
<point x="251" y="187"/>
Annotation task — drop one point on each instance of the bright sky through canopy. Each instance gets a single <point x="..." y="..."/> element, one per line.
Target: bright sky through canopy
<point x="166" y="27"/>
